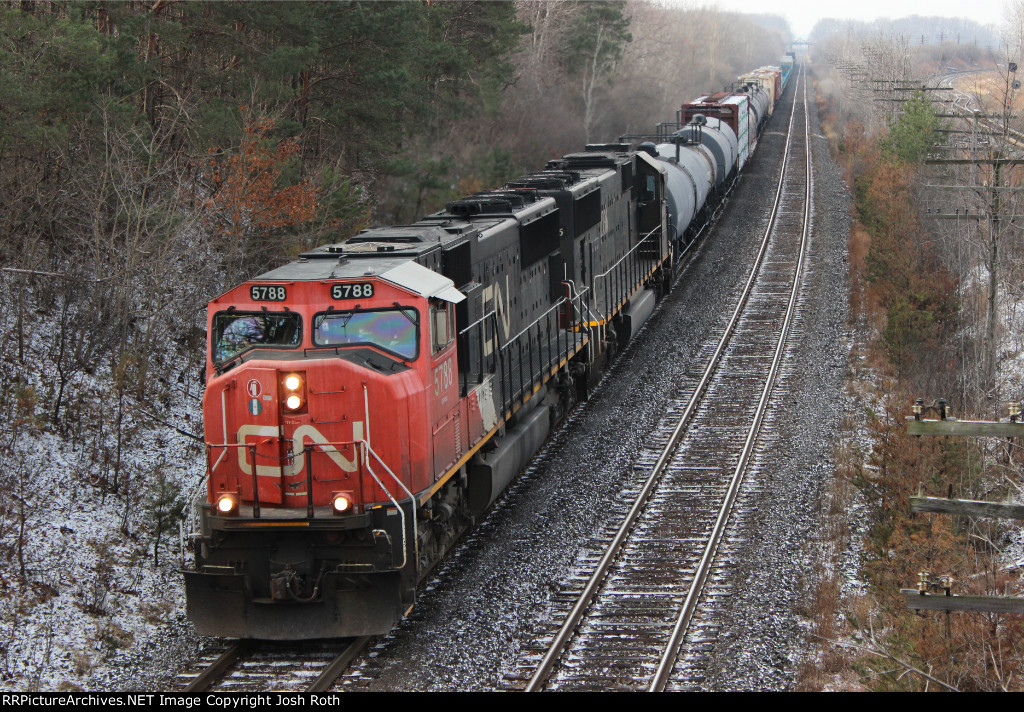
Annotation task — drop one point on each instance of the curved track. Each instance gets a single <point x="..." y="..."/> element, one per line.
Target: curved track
<point x="628" y="625"/>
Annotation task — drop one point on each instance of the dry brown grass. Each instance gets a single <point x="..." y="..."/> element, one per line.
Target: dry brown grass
<point x="859" y="243"/>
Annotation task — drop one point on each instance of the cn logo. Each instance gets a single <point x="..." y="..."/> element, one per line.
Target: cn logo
<point x="296" y="462"/>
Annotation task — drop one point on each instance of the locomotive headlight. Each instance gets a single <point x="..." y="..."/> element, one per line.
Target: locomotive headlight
<point x="227" y="504"/>
<point x="342" y="502"/>
<point x="293" y="387"/>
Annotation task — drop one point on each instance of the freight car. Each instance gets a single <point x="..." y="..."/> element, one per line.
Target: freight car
<point x="786" y="65"/>
<point x="368" y="401"/>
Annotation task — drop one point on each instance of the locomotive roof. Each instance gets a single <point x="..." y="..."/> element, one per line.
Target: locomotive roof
<point x="338" y="268"/>
<point x="407" y="240"/>
<point x="590" y="159"/>
<point x="375" y="251"/>
<point x="370" y="252"/>
<point x="397" y="270"/>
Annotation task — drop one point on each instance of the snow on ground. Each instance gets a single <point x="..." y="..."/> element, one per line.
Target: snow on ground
<point x="92" y="591"/>
<point x="1011" y="378"/>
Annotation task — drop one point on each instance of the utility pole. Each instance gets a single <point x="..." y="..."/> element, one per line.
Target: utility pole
<point x="886" y="77"/>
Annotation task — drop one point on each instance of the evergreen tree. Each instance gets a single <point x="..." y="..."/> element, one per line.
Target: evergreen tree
<point x="912" y="135"/>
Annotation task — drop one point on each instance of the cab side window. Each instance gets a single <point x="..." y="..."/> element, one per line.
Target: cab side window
<point x="441" y="326"/>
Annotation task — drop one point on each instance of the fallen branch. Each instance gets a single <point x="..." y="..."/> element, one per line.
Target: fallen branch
<point x="881" y="652"/>
<point x="163" y="422"/>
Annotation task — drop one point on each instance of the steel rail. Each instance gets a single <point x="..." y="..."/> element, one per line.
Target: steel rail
<point x="339" y="665"/>
<point x="565" y="633"/>
<point x="239" y="649"/>
<point x="668" y="659"/>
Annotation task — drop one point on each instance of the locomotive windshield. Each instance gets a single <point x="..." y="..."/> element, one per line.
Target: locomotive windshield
<point x="235" y="332"/>
<point x="393" y="330"/>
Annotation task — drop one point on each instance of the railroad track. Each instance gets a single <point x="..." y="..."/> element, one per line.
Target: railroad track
<point x="256" y="666"/>
<point x="633" y="620"/>
<point x="961" y="103"/>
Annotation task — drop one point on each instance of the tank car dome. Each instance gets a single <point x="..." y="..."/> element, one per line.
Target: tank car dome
<point x="649" y="148"/>
<point x="698" y="161"/>
<point x="719" y="138"/>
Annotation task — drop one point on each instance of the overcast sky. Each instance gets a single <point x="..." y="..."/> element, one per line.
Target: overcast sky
<point x="802" y="14"/>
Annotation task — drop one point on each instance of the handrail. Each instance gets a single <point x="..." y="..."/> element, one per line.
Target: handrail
<point x="530" y="350"/>
<point x="472" y="339"/>
<point x="401" y="512"/>
<point x="536" y="321"/>
<point x="255" y="469"/>
<point x="369" y="468"/>
<point x="307" y="454"/>
<point x="478" y="321"/>
<point x="192" y="519"/>
<point x="466" y="351"/>
<point x="585" y="304"/>
<point x="626" y="254"/>
<point x="617" y="266"/>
